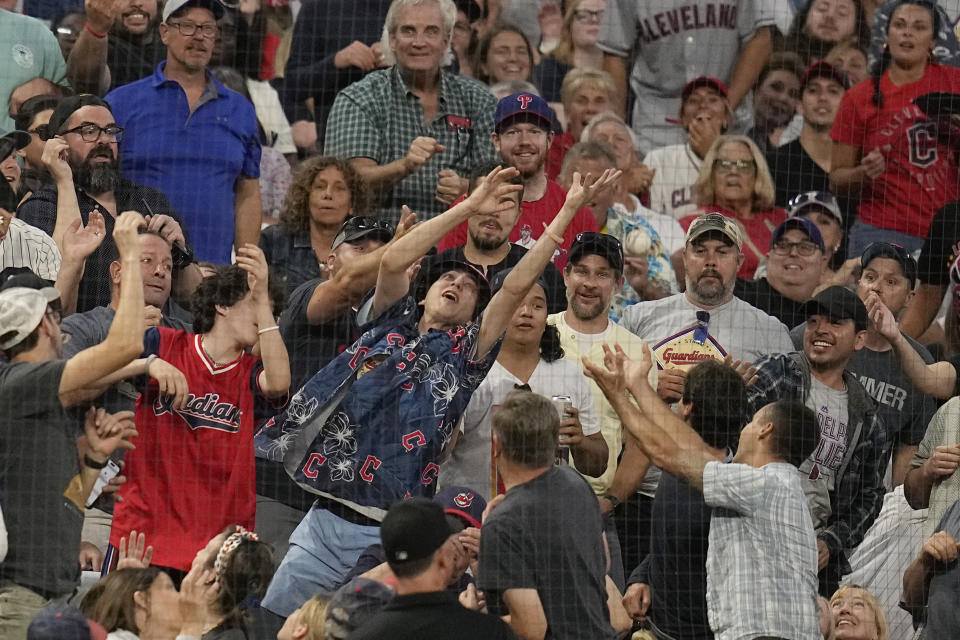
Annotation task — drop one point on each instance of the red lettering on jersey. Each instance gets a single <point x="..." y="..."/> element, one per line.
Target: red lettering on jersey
<point x="524" y="100"/>
<point x="407" y="386"/>
<point x="310" y="469"/>
<point x="358" y="356"/>
<point x="371" y="461"/>
<point x="395" y="339"/>
<point x="413" y="440"/>
<point x="430" y="473"/>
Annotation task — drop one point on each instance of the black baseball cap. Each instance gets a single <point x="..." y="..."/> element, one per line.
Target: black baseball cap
<point x="11" y="141"/>
<point x="839" y="303"/>
<point x="67" y="106"/>
<point x="599" y="244"/>
<point x="359" y="227"/>
<point x="432" y="271"/>
<point x="413" y="529"/>
<point x="895" y="252"/>
<point x="938" y="103"/>
<point x="824" y="69"/>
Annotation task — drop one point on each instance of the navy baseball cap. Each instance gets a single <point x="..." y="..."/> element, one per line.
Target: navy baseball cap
<point x="530" y="106"/>
<point x="594" y="243"/>
<point x="60" y="621"/>
<point x="801" y="224"/>
<point x="839" y="303"/>
<point x="463" y="503"/>
<point x="895" y="252"/>
<point x="429" y="274"/>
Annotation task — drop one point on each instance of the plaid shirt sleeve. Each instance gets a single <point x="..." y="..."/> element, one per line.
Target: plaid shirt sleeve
<point x="353" y="130"/>
<point x="773" y="382"/>
<point x="859" y="496"/>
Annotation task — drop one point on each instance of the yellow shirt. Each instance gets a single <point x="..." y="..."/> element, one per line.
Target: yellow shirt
<point x="610" y="425"/>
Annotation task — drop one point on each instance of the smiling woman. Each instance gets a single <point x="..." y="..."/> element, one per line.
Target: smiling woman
<point x="504" y="55"/>
<point x="857" y="615"/>
<point x="324" y="192"/>
<point x="736" y="182"/>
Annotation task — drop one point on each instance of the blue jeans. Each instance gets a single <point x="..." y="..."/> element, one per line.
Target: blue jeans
<point x="862" y="235"/>
<point x="323" y="548"/>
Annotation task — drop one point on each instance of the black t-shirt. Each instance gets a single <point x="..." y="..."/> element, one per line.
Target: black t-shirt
<point x="676" y="568"/>
<point x="38" y="466"/>
<point x="547" y="535"/>
<point x="940" y="246"/>
<point x="763" y="296"/>
<point x="130" y="61"/>
<point x="794" y="172"/>
<point x="436" y="615"/>
<point x="557" y="290"/>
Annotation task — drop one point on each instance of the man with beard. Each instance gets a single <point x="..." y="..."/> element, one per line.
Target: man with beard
<point x="522" y="135"/>
<point x="82" y="155"/>
<point x="192" y="138"/>
<point x="488" y="247"/>
<point x="843" y="477"/>
<point x="118" y="45"/>
<point x="706" y="321"/>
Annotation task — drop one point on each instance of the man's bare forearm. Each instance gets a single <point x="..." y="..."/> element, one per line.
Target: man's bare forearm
<point x="87" y="64"/>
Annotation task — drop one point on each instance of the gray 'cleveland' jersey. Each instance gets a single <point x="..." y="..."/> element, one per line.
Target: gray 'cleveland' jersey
<point x="676" y="41"/>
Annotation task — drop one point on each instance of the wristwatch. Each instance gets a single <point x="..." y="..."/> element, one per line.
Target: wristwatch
<point x="614" y="500"/>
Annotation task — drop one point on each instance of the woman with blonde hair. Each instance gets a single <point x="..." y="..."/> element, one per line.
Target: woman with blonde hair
<point x="307" y="622"/>
<point x="577" y="48"/>
<point x="735" y="181"/>
<point x="857" y="615"/>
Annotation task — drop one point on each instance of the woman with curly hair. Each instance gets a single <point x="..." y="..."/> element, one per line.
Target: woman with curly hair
<point x="531" y="357"/>
<point x="325" y="190"/>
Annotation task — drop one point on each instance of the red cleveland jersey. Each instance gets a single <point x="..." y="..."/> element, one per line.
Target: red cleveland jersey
<point x="533" y="216"/>
<point x="192" y="473"/>
<point x="921" y="174"/>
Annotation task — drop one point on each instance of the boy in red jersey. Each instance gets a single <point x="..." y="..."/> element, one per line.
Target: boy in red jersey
<point x="192" y="472"/>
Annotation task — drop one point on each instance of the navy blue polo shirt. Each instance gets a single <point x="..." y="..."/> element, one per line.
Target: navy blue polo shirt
<point x="194" y="158"/>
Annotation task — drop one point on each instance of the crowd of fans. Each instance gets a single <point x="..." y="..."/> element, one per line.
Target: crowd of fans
<point x="480" y="319"/>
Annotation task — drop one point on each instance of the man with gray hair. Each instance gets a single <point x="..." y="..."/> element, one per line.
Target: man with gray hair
<point x="416" y="151"/>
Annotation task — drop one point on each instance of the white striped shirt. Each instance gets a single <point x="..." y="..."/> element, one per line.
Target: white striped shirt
<point x="27" y="246"/>
<point x="762" y="558"/>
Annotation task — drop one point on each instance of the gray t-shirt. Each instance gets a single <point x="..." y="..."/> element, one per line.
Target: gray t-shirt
<point x="91" y="328"/>
<point x="38" y="463"/>
<point x="818" y="472"/>
<point x="905" y="412"/>
<point x="670" y="326"/>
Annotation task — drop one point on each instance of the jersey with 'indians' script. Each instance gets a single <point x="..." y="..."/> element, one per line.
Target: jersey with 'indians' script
<point x="192" y="473"/>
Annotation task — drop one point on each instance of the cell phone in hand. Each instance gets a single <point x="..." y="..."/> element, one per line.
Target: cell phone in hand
<point x="107" y="474"/>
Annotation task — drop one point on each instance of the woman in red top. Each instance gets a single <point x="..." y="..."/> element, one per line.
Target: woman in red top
<point x="735" y="181"/>
<point x="886" y="150"/>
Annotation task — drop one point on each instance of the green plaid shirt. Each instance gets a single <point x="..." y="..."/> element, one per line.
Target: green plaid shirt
<point x="378" y="117"/>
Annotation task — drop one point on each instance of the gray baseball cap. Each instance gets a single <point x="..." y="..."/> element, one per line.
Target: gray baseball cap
<point x="21" y="310"/>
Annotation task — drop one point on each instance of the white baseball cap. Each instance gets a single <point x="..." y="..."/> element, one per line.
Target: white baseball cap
<point x="175" y="5"/>
<point x="21" y="310"/>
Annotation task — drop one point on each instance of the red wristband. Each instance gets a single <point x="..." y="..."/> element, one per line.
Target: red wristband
<point x="100" y="36"/>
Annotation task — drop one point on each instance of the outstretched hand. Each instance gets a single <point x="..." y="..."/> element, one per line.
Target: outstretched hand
<point x="744" y="369"/>
<point x="250" y="258"/>
<point x="493" y="192"/>
<point x="609" y="377"/>
<point x="583" y="189"/>
<point x="138" y="555"/>
<point x="80" y="241"/>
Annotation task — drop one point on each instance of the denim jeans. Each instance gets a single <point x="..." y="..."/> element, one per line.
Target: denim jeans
<point x="323" y="548"/>
<point x="862" y="235"/>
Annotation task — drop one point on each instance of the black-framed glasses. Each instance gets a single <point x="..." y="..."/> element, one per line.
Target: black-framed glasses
<point x="813" y="197"/>
<point x="190" y="28"/>
<point x="586" y="15"/>
<point x="703" y="327"/>
<point x="91" y="132"/>
<point x="804" y="248"/>
<point x="722" y="165"/>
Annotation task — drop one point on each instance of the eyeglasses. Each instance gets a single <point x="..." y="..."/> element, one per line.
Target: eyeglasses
<point x="804" y="248"/>
<point x="365" y="223"/>
<point x="190" y="28"/>
<point x="703" y="325"/>
<point x="586" y="15"/>
<point x="721" y="165"/>
<point x="91" y="132"/>
<point x="813" y="197"/>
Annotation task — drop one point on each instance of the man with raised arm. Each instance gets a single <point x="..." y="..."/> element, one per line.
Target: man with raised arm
<point x="45" y="471"/>
<point x="761" y="543"/>
<point x="370" y="427"/>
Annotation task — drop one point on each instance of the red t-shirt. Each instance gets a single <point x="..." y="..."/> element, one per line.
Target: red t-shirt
<point x="557" y="151"/>
<point x="534" y="215"/>
<point x="921" y="175"/>
<point x="192" y="473"/>
<point x="759" y="230"/>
